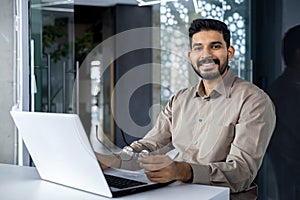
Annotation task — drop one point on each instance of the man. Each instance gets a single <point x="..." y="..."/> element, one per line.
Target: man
<point x="220" y="127"/>
<point x="284" y="146"/>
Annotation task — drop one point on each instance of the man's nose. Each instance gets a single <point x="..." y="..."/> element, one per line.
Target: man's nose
<point x="205" y="54"/>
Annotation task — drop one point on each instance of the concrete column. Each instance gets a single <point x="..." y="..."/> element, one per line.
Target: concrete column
<point x="6" y="81"/>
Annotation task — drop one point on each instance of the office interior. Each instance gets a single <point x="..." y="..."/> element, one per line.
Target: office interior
<point x="74" y="56"/>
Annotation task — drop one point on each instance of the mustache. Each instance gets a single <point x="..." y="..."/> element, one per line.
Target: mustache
<point x="207" y="61"/>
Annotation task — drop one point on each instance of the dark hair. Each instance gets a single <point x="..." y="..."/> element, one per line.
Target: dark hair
<point x="291" y="42"/>
<point x="209" y="24"/>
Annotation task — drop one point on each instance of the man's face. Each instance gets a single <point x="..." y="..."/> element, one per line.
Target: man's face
<point x="209" y="55"/>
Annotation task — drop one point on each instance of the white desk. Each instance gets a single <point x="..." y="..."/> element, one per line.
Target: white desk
<point x="24" y="183"/>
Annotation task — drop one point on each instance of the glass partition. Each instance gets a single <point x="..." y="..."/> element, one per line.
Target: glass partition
<point x="52" y="55"/>
<point x="65" y="80"/>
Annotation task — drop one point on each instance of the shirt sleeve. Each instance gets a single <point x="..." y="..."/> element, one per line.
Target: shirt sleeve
<point x="252" y="135"/>
<point x="159" y="137"/>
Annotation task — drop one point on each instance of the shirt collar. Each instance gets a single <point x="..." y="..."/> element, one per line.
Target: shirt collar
<point x="222" y="88"/>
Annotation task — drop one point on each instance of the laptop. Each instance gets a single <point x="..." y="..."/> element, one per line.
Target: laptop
<point x="62" y="153"/>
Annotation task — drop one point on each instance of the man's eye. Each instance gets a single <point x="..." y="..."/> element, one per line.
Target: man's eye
<point x="197" y="49"/>
<point x="216" y="46"/>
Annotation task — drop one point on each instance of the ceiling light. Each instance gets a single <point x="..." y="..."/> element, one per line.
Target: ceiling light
<point x="152" y="2"/>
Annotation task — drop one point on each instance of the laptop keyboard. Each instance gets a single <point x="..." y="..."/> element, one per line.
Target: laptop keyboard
<point x="119" y="182"/>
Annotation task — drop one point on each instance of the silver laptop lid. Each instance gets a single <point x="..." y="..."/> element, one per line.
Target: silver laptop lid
<point x="61" y="150"/>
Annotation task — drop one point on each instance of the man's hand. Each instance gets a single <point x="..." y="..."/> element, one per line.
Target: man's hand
<point x="162" y="169"/>
<point x="107" y="161"/>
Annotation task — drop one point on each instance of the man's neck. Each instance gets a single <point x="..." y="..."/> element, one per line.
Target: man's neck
<point x="209" y="85"/>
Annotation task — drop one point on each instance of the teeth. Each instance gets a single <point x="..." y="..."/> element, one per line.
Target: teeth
<point x="206" y="64"/>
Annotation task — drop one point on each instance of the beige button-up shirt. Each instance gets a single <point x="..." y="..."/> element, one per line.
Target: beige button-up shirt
<point x="223" y="136"/>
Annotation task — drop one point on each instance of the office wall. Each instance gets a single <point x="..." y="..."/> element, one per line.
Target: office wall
<point x="266" y="41"/>
<point x="6" y="81"/>
<point x="290" y="14"/>
<point x="271" y="20"/>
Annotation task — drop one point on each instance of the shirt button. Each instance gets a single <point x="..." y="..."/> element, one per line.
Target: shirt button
<point x="200" y="120"/>
<point x="195" y="142"/>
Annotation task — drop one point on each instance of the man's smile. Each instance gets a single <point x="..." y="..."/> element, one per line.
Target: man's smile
<point x="208" y="64"/>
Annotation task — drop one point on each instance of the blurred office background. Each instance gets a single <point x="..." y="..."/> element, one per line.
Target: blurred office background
<point x="85" y="56"/>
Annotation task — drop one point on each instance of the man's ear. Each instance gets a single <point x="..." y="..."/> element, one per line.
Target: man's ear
<point x="189" y="56"/>
<point x="231" y="51"/>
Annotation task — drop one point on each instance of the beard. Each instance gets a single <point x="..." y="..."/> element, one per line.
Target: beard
<point x="211" y="75"/>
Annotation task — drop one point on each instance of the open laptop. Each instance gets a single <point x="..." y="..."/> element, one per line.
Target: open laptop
<point x="61" y="151"/>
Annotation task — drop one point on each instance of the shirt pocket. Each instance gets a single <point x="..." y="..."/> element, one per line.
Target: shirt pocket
<point x="215" y="145"/>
